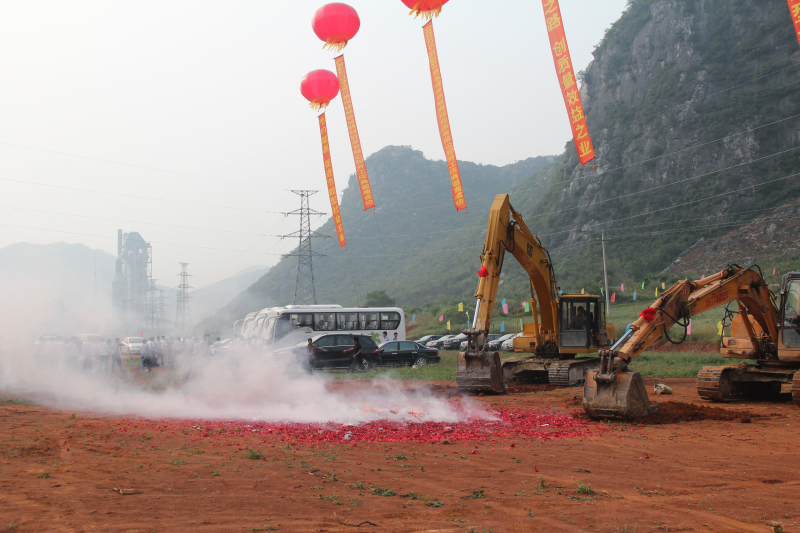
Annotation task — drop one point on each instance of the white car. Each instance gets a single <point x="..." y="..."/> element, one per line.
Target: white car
<point x="131" y="346"/>
<point x="508" y="345"/>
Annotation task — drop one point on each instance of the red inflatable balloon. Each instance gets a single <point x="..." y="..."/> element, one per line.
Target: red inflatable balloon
<point x="319" y="87"/>
<point x="335" y="24"/>
<point x="426" y="8"/>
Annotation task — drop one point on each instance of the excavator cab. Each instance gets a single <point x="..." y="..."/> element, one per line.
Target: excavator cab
<point x="582" y="324"/>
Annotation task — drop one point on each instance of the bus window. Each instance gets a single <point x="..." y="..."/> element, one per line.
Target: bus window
<point x="346" y="321"/>
<point x="305" y="320"/>
<point x="368" y="320"/>
<point x="390" y="320"/>
<point x="325" y="321"/>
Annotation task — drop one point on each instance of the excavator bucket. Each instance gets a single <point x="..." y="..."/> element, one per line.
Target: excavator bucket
<point x="624" y="397"/>
<point x="480" y="372"/>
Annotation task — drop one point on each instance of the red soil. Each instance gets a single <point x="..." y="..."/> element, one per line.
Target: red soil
<point x="692" y="466"/>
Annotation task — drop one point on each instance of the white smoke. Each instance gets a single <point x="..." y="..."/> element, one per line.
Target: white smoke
<point x="241" y="387"/>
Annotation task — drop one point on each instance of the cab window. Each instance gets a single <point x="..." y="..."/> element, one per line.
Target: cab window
<point x="408" y="346"/>
<point x="791" y="321"/>
<point x="324" y="342"/>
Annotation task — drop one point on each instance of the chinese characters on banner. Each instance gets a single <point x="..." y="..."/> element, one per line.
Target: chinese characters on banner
<point x="355" y="142"/>
<point x="441" y="118"/>
<point x="567" y="81"/>
<point x="794" y="7"/>
<point x="326" y="158"/>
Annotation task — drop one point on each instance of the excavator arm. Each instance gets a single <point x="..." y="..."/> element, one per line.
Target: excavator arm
<point x="507" y="232"/>
<point x="617" y="393"/>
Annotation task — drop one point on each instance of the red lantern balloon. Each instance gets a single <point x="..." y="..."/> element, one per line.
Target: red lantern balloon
<point x="427" y="8"/>
<point x="335" y="24"/>
<point x="319" y="87"/>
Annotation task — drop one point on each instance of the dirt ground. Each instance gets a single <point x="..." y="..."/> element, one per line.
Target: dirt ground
<point x="695" y="466"/>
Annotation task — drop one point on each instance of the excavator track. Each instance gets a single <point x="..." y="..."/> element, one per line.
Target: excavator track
<point x="713" y="383"/>
<point x="572" y="372"/>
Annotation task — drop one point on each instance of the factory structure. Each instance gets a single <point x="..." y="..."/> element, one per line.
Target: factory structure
<point x="131" y="290"/>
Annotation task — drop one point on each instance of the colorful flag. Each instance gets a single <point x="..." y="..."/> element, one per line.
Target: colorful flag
<point x="628" y="327"/>
<point x="794" y="9"/>
<point x="582" y="291"/>
<point x="326" y="160"/>
<point x="441" y="318"/>
<point x="703" y="276"/>
<point x="520" y="324"/>
<point x="560" y="292"/>
<point x="689" y="327"/>
<point x="503" y="326"/>
<point x="662" y="285"/>
<point x="505" y="308"/>
<point x="634" y="296"/>
<point x="613" y="297"/>
<point x="622" y="287"/>
<point x="643" y="285"/>
<point x="461" y="306"/>
<point x="773" y="271"/>
<point x="412" y="318"/>
<point x="503" y="301"/>
<point x="601" y="291"/>
<point x="719" y="328"/>
<point x="656" y="292"/>
<point x="527" y="307"/>
<point x="448" y="325"/>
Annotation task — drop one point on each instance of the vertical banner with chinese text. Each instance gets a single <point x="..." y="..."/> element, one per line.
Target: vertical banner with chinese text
<point x="567" y="81"/>
<point x="355" y="142"/>
<point x="794" y="9"/>
<point x="441" y="118"/>
<point x="326" y="158"/>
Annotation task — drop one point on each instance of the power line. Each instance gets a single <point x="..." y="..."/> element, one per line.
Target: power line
<point x="664" y="185"/>
<point x="142" y="197"/>
<point x="134" y="165"/>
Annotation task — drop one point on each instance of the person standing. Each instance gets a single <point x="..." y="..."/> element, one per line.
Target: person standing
<point x="115" y="357"/>
<point x="103" y="352"/>
<point x="217" y="347"/>
<point x="313" y="351"/>
<point x="145" y="357"/>
<point x="356" y="349"/>
<point x="395" y="337"/>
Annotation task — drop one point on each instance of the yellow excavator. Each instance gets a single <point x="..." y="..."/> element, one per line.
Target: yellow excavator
<point x="764" y="330"/>
<point x="564" y="326"/>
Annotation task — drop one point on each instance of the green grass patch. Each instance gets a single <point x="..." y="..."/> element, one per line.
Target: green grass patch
<point x="676" y="364"/>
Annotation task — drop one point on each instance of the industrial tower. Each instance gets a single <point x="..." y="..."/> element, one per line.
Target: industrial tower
<point x="304" y="289"/>
<point x="183" y="315"/>
<point x="154" y="318"/>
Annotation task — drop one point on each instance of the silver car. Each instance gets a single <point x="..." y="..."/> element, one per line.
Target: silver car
<point x="131" y="346"/>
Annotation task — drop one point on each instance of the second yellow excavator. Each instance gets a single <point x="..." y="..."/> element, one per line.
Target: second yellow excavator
<point x="763" y="330"/>
<point x="564" y="326"/>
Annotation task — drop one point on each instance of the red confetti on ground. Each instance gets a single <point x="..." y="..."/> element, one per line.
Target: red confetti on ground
<point x="526" y="425"/>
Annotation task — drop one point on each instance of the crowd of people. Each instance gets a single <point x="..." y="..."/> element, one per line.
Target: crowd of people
<point x="97" y="354"/>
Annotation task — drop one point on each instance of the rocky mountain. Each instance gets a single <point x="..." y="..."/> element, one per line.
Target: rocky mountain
<point x="694" y="113"/>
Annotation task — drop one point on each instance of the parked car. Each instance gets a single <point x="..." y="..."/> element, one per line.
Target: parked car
<point x="508" y="345"/>
<point x="428" y="338"/>
<point x="394" y="353"/>
<point x="131" y="346"/>
<point x="438" y="342"/>
<point x="453" y="342"/>
<point x="489" y="338"/>
<point x="333" y="356"/>
<point x="494" y="345"/>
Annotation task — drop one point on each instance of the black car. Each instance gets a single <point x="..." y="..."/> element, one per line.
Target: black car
<point x="331" y="355"/>
<point x="428" y="338"/>
<point x="454" y="342"/>
<point x="395" y="353"/>
<point x="494" y="344"/>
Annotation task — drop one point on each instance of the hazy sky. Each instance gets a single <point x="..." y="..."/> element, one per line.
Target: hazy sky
<point x="212" y="89"/>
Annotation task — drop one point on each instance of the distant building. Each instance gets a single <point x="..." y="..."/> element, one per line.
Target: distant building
<point x="129" y="290"/>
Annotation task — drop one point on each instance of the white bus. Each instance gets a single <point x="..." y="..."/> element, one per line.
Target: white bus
<point x="294" y="323"/>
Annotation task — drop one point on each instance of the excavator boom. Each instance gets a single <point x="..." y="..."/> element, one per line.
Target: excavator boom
<point x="615" y="392"/>
<point x="478" y="370"/>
